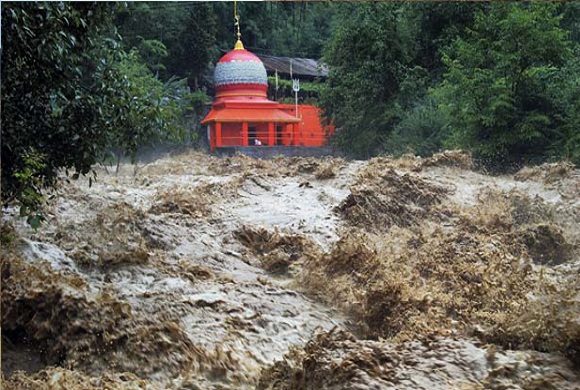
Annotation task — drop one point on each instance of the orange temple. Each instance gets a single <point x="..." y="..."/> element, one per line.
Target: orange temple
<point x="242" y="115"/>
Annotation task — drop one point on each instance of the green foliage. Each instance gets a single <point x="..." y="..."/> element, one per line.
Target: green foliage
<point x="29" y="181"/>
<point x="144" y="110"/>
<point x="51" y="80"/>
<point x="383" y="59"/>
<point x="368" y="57"/>
<point x="186" y="32"/>
<point x="571" y="20"/>
<point x="145" y="25"/>
<point x="196" y="44"/>
<point x="69" y="92"/>
<point x="495" y="88"/>
<point x="421" y="131"/>
<point x="564" y="91"/>
<point x="503" y="83"/>
<point x="197" y="34"/>
<point x="153" y="52"/>
<point x="309" y="90"/>
<point x="439" y="24"/>
<point x="293" y="29"/>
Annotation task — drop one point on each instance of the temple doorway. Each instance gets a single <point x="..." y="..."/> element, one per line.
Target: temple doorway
<point x="252" y="135"/>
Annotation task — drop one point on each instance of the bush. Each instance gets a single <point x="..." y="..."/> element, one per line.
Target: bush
<point x="421" y="131"/>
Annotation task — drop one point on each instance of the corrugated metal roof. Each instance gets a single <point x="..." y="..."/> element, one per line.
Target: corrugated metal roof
<point x="300" y="66"/>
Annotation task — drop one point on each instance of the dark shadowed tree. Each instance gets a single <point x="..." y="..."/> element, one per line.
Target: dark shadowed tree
<point x="68" y="93"/>
<point x="50" y="80"/>
<point x="196" y="44"/>
<point x="369" y="57"/>
<point x="495" y="92"/>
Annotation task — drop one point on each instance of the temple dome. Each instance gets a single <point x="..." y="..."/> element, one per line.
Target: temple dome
<point x="240" y="73"/>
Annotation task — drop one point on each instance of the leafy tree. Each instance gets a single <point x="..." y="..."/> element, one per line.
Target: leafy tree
<point x="153" y="53"/>
<point x="564" y="90"/>
<point x="145" y="24"/>
<point x="309" y="90"/>
<point x="383" y="60"/>
<point x="186" y="31"/>
<point x="571" y="20"/>
<point x="421" y="131"/>
<point x="50" y="82"/>
<point x="495" y="88"/>
<point x="369" y="57"/>
<point x="145" y="110"/>
<point x="439" y="24"/>
<point x="68" y="92"/>
<point x="292" y="29"/>
<point x="196" y="44"/>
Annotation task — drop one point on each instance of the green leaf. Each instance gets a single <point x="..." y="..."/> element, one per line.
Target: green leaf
<point x="35" y="221"/>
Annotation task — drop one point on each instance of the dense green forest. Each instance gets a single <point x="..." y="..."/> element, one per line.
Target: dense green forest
<point x="500" y="80"/>
<point x="82" y="81"/>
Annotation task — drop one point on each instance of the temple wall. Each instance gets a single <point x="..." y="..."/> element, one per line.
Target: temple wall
<point x="310" y="130"/>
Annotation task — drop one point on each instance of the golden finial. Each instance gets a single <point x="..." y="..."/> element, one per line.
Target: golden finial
<point x="239" y="45"/>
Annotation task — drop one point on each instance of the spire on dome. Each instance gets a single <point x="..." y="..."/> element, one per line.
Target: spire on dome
<point x="239" y="45"/>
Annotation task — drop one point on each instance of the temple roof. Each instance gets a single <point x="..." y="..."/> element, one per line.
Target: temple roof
<point x="249" y="114"/>
<point x="240" y="66"/>
<point x="300" y="66"/>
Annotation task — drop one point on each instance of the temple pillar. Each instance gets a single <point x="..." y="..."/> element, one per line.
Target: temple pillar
<point x="211" y="137"/>
<point x="290" y="131"/>
<point x="271" y="134"/>
<point x="218" y="134"/>
<point x="295" y="134"/>
<point x="245" y="134"/>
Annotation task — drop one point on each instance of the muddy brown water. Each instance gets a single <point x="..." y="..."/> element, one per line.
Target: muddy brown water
<point x="195" y="307"/>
